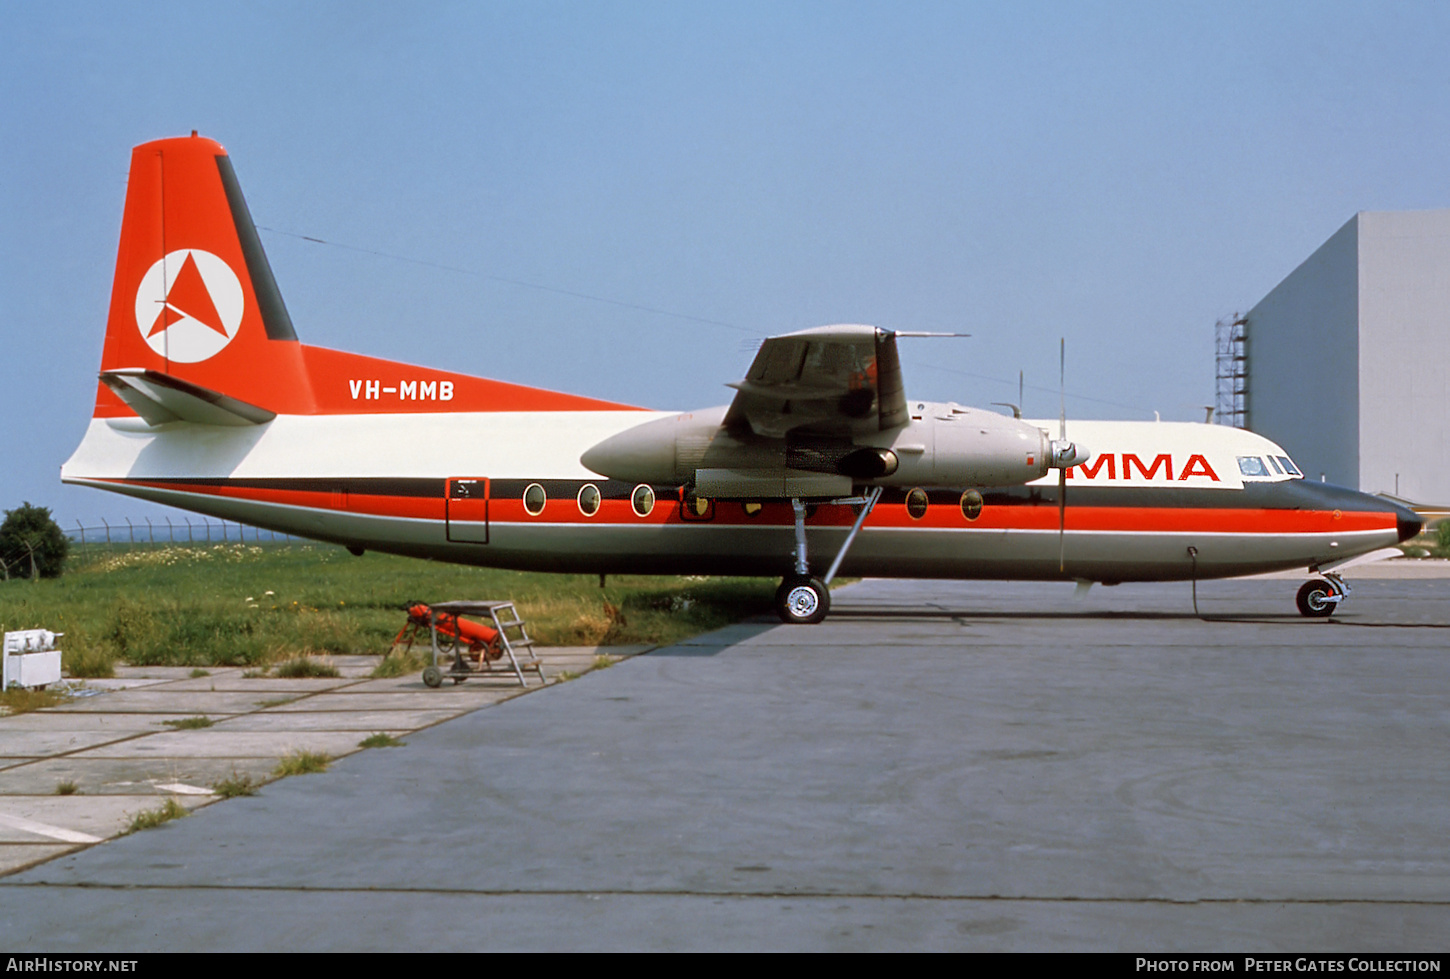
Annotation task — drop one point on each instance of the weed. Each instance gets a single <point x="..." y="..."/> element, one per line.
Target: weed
<point x="304" y="667"/>
<point x="380" y="740"/>
<point x="198" y="673"/>
<point x="85" y="660"/>
<point x="604" y="661"/>
<point x="235" y="784"/>
<point x="392" y="666"/>
<point x="278" y="702"/>
<point x="151" y="818"/>
<point x="302" y="763"/>
<point x="18" y="700"/>
<point x="253" y="674"/>
<point x="566" y="675"/>
<point x="67" y="788"/>
<point x="190" y="723"/>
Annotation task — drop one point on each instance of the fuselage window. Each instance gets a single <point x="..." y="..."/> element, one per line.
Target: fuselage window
<point x="971" y="504"/>
<point x="643" y="500"/>
<point x="534" y="499"/>
<point x="588" y="499"/>
<point x="1252" y="466"/>
<point x="1289" y="467"/>
<point x="916" y="502"/>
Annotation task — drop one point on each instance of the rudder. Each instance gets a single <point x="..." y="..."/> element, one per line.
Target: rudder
<point x="194" y="297"/>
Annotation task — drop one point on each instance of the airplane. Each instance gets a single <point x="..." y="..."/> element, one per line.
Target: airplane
<point x="820" y="465"/>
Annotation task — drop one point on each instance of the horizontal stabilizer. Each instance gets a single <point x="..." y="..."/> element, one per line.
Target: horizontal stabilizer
<point x="159" y="398"/>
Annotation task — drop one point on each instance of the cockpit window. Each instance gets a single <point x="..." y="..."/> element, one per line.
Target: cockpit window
<point x="1252" y="466"/>
<point x="1276" y="466"/>
<point x="1289" y="467"/>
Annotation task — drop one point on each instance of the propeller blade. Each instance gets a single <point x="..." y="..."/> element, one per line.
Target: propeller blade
<point x="1061" y="519"/>
<point x="1062" y="389"/>
<point x="1062" y="472"/>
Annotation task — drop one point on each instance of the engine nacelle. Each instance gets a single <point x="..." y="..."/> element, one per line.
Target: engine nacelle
<point x="941" y="445"/>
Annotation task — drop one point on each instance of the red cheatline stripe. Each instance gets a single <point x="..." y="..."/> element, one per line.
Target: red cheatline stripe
<point x="1041" y="517"/>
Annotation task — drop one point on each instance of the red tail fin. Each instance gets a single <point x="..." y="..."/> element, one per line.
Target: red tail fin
<point x="194" y="296"/>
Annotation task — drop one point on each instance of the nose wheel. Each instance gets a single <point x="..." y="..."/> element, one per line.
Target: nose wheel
<point x="802" y="600"/>
<point x="1318" y="599"/>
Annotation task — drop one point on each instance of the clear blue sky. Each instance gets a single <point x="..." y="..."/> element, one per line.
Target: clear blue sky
<point x="1118" y="174"/>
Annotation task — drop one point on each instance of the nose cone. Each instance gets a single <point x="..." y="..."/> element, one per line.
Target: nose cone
<point x="1410" y="524"/>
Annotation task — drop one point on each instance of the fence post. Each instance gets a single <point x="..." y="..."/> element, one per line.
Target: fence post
<point x="170" y="535"/>
<point x="133" y="531"/>
<point x="108" y="530"/>
<point x="151" y="530"/>
<point x="83" y="534"/>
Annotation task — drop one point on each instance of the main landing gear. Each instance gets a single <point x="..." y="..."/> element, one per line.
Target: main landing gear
<point x="1318" y="599"/>
<point x="803" y="599"/>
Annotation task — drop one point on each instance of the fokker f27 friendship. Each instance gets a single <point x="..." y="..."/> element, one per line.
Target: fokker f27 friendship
<point x="821" y="464"/>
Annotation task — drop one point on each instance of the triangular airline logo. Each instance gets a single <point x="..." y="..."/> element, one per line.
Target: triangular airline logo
<point x="188" y="296"/>
<point x="189" y="305"/>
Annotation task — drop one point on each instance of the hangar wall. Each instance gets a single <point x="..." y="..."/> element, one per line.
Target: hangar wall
<point x="1347" y="358"/>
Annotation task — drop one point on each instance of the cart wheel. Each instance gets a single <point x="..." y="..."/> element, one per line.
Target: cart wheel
<point x="432" y="676"/>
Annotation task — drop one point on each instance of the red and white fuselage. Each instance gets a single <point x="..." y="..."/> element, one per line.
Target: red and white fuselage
<point x="209" y="402"/>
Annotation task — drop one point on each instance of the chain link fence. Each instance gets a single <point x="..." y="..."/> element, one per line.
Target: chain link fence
<point x="128" y="533"/>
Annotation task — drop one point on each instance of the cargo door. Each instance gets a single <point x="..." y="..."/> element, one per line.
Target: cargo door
<point x="468" y="510"/>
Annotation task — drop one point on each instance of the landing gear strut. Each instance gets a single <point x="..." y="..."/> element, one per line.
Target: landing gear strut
<point x="801" y="598"/>
<point x="1318" y="599"/>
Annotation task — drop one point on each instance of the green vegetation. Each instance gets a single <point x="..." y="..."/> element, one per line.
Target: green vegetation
<point x="380" y="740"/>
<point x="397" y="665"/>
<point x="151" y="818"/>
<point x="190" y="723"/>
<point x="198" y="673"/>
<point x="253" y="606"/>
<point x="234" y="785"/>
<point x="302" y="763"/>
<point x="304" y="667"/>
<point x="67" y="788"/>
<point x="18" y="700"/>
<point x="32" y="545"/>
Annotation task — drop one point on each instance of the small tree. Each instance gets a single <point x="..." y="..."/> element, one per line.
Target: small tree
<point x="32" y="543"/>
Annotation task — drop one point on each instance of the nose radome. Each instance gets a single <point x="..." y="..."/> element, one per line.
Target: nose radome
<point x="1410" y="524"/>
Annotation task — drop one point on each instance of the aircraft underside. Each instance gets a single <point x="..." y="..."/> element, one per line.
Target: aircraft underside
<point x="1014" y="536"/>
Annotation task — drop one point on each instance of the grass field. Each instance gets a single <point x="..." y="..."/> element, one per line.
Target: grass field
<point x="257" y="605"/>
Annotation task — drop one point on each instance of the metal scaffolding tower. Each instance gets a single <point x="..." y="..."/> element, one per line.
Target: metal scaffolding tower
<point x="1231" y="371"/>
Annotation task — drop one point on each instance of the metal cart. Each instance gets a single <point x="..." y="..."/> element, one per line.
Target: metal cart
<point x="518" y="648"/>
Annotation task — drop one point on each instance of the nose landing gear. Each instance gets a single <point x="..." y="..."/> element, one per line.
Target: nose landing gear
<point x="1318" y="599"/>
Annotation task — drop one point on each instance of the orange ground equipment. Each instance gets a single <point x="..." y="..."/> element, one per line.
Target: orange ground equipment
<point x="482" y="642"/>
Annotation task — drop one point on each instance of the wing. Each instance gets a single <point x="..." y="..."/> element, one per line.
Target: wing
<point x="832" y="380"/>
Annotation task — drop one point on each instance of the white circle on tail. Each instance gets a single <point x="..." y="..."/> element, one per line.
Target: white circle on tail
<point x="189" y="305"/>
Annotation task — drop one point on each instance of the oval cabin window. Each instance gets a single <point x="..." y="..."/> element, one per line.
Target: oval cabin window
<point x="916" y="503"/>
<point x="588" y="499"/>
<point x="971" y="504"/>
<point x="534" y="499"/>
<point x="643" y="500"/>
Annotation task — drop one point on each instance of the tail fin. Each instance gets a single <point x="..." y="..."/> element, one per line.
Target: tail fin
<point x="194" y="298"/>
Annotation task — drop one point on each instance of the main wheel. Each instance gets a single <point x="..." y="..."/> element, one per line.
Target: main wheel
<point x="432" y="676"/>
<point x="802" y="601"/>
<point x="1313" y="599"/>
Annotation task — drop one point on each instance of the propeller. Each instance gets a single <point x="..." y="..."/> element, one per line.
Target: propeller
<point x="1061" y="438"/>
<point x="1065" y="455"/>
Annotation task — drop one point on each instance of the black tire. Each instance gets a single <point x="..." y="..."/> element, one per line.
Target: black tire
<point x="1311" y="600"/>
<point x="802" y="601"/>
<point x="433" y="676"/>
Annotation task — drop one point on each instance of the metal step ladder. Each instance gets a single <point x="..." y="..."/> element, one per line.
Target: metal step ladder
<point x="512" y="633"/>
